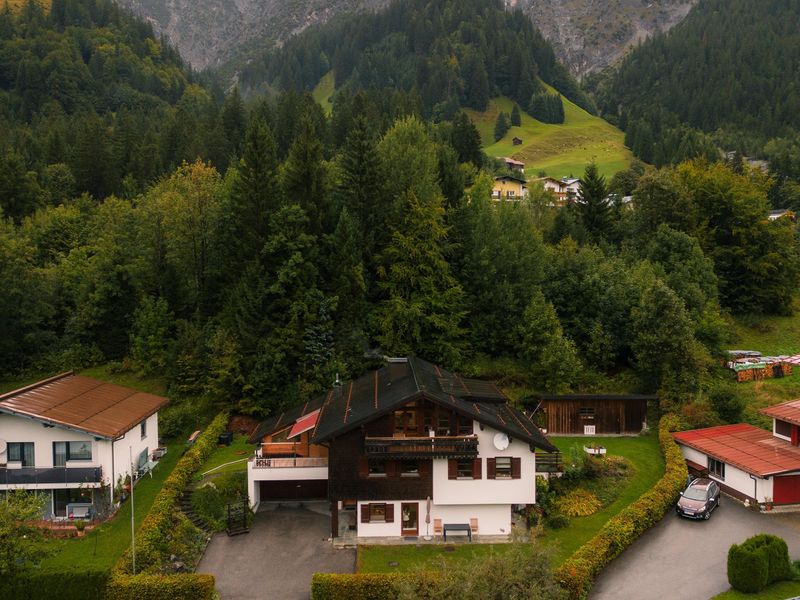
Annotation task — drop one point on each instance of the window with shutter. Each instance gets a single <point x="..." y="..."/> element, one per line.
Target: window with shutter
<point x="476" y="468"/>
<point x="516" y="468"/>
<point x="452" y="469"/>
<point x="365" y="513"/>
<point x="490" y="469"/>
<point x="389" y="513"/>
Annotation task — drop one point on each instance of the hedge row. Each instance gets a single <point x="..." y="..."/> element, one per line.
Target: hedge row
<point x="183" y="586"/>
<point x="75" y="584"/>
<point x="577" y="573"/>
<point x="355" y="586"/>
<point x="757" y="562"/>
<point x="160" y="523"/>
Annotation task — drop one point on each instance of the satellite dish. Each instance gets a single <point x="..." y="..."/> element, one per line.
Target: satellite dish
<point x="3" y="446"/>
<point x="501" y="441"/>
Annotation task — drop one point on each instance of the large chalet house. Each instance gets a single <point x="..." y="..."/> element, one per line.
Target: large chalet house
<point x="748" y="462"/>
<point x="405" y="450"/>
<point x="565" y="189"/>
<point x="73" y="438"/>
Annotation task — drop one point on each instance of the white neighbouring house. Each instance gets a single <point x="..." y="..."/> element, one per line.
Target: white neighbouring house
<point x="748" y="462"/>
<point x="565" y="189"/>
<point x="72" y="438"/>
<point x="379" y="447"/>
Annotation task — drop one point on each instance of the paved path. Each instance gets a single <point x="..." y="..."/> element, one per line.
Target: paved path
<point x="276" y="560"/>
<point x="687" y="560"/>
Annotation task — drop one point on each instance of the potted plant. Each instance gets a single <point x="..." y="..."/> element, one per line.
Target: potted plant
<point x="80" y="526"/>
<point x="767" y="503"/>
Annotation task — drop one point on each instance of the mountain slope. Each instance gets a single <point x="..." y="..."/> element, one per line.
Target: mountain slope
<point x="721" y="71"/>
<point x="558" y="150"/>
<point x="588" y="35"/>
<point x="211" y="32"/>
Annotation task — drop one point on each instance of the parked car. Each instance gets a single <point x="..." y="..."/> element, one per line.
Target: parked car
<point x="699" y="498"/>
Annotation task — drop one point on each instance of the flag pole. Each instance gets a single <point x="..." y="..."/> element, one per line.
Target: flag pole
<point x="133" y="528"/>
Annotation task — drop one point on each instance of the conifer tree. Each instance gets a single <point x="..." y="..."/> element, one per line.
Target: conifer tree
<point x="501" y="126"/>
<point x="516" y="117"/>
<point x="304" y="177"/>
<point x="594" y="207"/>
<point x="466" y="140"/>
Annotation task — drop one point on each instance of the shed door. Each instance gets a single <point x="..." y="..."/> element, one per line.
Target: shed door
<point x="786" y="489"/>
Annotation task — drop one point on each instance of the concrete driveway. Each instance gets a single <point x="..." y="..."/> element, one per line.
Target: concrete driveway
<point x="275" y="561"/>
<point x="680" y="558"/>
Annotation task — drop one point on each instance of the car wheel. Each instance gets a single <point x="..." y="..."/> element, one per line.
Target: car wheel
<point x="707" y="515"/>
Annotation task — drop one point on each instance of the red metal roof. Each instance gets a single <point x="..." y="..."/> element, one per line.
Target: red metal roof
<point x="788" y="411"/>
<point x="305" y="423"/>
<point x="96" y="407"/>
<point x="749" y="448"/>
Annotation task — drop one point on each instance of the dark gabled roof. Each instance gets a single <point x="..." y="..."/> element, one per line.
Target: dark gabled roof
<point x="284" y="419"/>
<point x="510" y="178"/>
<point x="578" y="397"/>
<point x="374" y="394"/>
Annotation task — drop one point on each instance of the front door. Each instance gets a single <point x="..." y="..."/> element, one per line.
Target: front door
<point x="410" y="518"/>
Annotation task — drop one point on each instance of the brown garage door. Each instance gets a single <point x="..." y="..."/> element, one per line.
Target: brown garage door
<point x="305" y="489"/>
<point x="786" y="489"/>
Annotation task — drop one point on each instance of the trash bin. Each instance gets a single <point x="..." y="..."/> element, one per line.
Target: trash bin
<point x="226" y="438"/>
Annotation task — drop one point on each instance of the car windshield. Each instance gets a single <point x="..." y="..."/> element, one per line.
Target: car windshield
<point x="694" y="493"/>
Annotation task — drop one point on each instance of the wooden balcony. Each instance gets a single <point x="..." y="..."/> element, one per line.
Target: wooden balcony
<point x="287" y="463"/>
<point x="549" y="462"/>
<point x="462" y="446"/>
<point x="283" y="448"/>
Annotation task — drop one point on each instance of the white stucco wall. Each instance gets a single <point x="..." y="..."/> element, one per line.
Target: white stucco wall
<point x="493" y="519"/>
<point x="488" y="491"/>
<point x="734" y="477"/>
<point x="20" y="429"/>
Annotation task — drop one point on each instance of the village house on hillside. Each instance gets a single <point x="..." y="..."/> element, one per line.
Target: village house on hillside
<point x="748" y="462"/>
<point x="566" y="189"/>
<point x="409" y="449"/>
<point x="71" y="436"/>
<point x="508" y="187"/>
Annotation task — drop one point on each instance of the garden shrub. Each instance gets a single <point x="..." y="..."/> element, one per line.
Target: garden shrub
<point x="579" y="503"/>
<point x="757" y="562"/>
<point x="355" y="586"/>
<point x="748" y="568"/>
<point x="165" y="530"/>
<point x="577" y="573"/>
<point x="181" y="586"/>
<point x="209" y="504"/>
<point x="556" y="520"/>
<point x="75" y="584"/>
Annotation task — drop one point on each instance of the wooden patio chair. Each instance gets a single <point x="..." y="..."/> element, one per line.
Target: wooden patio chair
<point x="473" y="525"/>
<point x="438" y="529"/>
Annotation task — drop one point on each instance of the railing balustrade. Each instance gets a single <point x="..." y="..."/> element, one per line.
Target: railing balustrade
<point x="283" y="463"/>
<point x="465" y="446"/>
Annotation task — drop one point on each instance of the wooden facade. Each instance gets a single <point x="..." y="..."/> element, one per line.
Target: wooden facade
<point x="278" y="446"/>
<point x="592" y="414"/>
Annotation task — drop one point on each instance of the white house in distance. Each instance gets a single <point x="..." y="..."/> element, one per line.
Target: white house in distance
<point x="566" y="189"/>
<point x="748" y="462"/>
<point x="69" y="436"/>
<point x="407" y="450"/>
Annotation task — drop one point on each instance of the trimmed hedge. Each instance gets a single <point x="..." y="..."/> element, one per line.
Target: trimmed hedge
<point x="577" y="573"/>
<point x="758" y="562"/>
<point x="72" y="585"/>
<point x="183" y="586"/>
<point x="355" y="586"/>
<point x="161" y="523"/>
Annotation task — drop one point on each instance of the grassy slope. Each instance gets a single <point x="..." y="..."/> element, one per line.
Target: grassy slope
<point x="239" y="451"/>
<point x="558" y="150"/>
<point x="323" y="92"/>
<point x="642" y="451"/>
<point x="16" y="4"/>
<point x="773" y="336"/>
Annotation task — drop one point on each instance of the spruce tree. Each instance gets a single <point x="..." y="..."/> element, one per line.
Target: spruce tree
<point x="304" y="177"/>
<point x="595" y="209"/>
<point x="516" y="117"/>
<point x="501" y="126"/>
<point x="466" y="140"/>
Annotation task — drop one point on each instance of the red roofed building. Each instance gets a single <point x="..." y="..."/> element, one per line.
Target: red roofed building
<point x="749" y="462"/>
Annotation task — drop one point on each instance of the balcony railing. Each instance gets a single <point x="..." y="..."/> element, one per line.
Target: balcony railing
<point x="285" y="463"/>
<point x="33" y="475"/>
<point x="462" y="446"/>
<point x="280" y="448"/>
<point x="549" y="462"/>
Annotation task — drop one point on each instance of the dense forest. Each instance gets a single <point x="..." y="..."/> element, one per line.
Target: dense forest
<point x="448" y="54"/>
<point x="250" y="279"/>
<point x="726" y="77"/>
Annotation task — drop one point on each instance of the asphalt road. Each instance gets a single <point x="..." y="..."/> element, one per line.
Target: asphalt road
<point x="683" y="559"/>
<point x="276" y="560"/>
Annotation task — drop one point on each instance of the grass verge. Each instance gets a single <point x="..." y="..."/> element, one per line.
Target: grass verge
<point x="777" y="591"/>
<point x="239" y="450"/>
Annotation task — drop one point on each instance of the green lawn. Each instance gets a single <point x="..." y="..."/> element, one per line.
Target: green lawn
<point x="239" y="451"/>
<point x="643" y="452"/>
<point x="645" y="455"/>
<point x="558" y="150"/>
<point x="323" y="92"/>
<point x="778" y="591"/>
<point x="102" y="547"/>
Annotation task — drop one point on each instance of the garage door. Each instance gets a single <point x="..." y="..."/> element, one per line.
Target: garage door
<point x="786" y="489"/>
<point x="306" y="489"/>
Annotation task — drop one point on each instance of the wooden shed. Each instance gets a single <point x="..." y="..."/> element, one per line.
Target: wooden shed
<point x="591" y="414"/>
